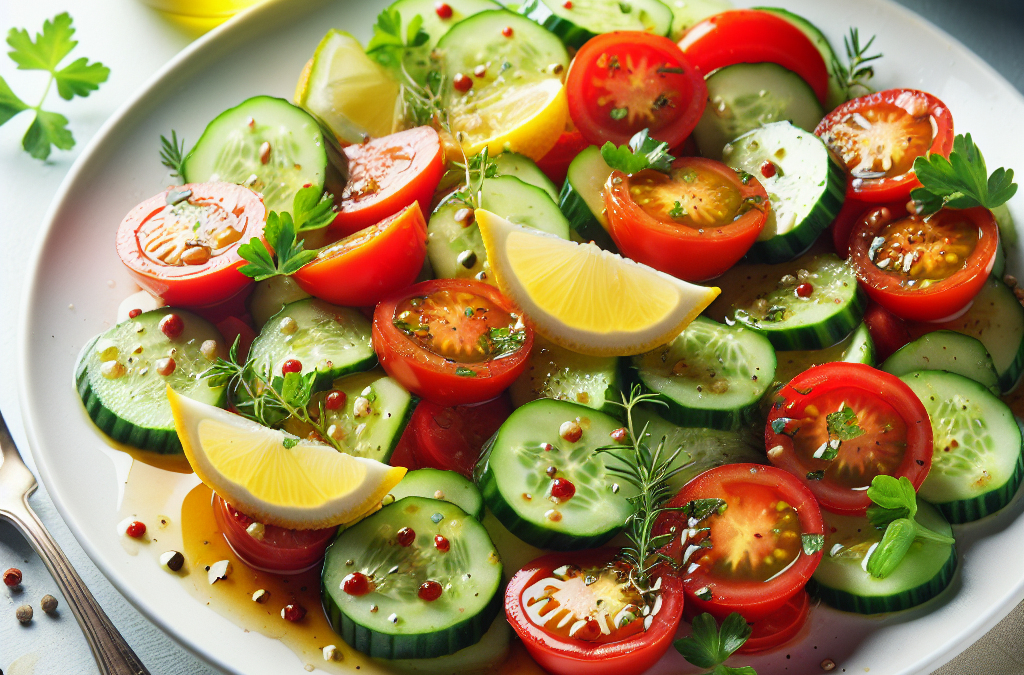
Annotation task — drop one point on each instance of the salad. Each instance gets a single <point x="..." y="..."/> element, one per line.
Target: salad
<point x="587" y="318"/>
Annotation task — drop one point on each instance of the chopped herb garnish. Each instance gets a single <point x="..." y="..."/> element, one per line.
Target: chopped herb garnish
<point x="465" y="372"/>
<point x="618" y="113"/>
<point x="812" y="543"/>
<point x="842" y="424"/>
<point x="503" y="341"/>
<point x="815" y="475"/>
<point x="642" y="152"/>
<point x="775" y="313"/>
<point x="677" y="210"/>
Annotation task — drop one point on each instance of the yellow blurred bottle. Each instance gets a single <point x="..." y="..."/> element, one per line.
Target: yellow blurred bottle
<point x="203" y="9"/>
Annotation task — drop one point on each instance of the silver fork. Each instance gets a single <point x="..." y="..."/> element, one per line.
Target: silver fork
<point x="113" y="655"/>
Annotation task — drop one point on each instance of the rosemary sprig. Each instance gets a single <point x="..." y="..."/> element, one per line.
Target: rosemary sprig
<point x="172" y="155"/>
<point x="649" y="471"/>
<point x="270" y="401"/>
<point x="854" y="77"/>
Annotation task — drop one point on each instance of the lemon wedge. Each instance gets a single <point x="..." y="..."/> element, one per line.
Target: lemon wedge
<point x="305" y="486"/>
<point x="584" y="298"/>
<point x="348" y="92"/>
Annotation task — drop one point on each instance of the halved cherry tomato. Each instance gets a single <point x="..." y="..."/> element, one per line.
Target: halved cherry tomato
<point x="823" y="403"/>
<point x="450" y="438"/>
<point x="555" y="164"/>
<point x="451" y="341"/>
<point x="779" y="627"/>
<point x="693" y="223"/>
<point x="756" y="561"/>
<point x="182" y="244"/>
<point x="623" y="82"/>
<point x="387" y="174"/>
<point x="888" y="331"/>
<point x="541" y="594"/>
<point x="274" y="549"/>
<point x="842" y="226"/>
<point x="363" y="267"/>
<point x="924" y="268"/>
<point x="877" y="137"/>
<point x="754" y="36"/>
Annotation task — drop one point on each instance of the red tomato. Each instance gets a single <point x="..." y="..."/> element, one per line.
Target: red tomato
<point x="558" y="578"/>
<point x="877" y="138"/>
<point x="753" y="36"/>
<point x="756" y="562"/>
<point x="451" y="438"/>
<point x="451" y="341"/>
<point x="387" y="174"/>
<point x="363" y="267"/>
<point x="555" y="164"/>
<point x="234" y="328"/>
<point x="280" y="550"/>
<point x="842" y="226"/>
<point x="694" y="223"/>
<point x="888" y="331"/>
<point x="924" y="268"/>
<point x="623" y="82"/>
<point x="185" y="264"/>
<point x="896" y="438"/>
<point x="779" y="627"/>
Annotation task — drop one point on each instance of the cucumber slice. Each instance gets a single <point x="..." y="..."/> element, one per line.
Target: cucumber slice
<point x="836" y="92"/>
<point x="444" y="485"/>
<point x="456" y="251"/>
<point x="582" y="198"/>
<point x="1007" y="229"/>
<point x="855" y="348"/>
<point x="771" y="305"/>
<point x="271" y="295"/>
<point x="403" y="626"/>
<point x="806" y="191"/>
<point x="513" y="475"/>
<point x="746" y="96"/>
<point x="526" y="170"/>
<point x="584" y="19"/>
<point x="977" y="463"/>
<point x="997" y="319"/>
<point x="685" y="13"/>
<point x="122" y="391"/>
<point x="230" y="150"/>
<point x="949" y="351"/>
<point x="711" y="375"/>
<point x="331" y="341"/>
<point x="842" y="583"/>
<point x="483" y="657"/>
<point x="999" y="266"/>
<point x="556" y="372"/>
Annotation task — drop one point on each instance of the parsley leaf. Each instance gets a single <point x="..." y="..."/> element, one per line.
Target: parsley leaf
<point x="297" y="389"/>
<point x="708" y="647"/>
<point x="10" y="104"/>
<point x="893" y="498"/>
<point x="387" y="31"/>
<point x="80" y="78"/>
<point x="960" y="182"/>
<point x="280" y="235"/>
<point x="843" y="424"/>
<point x="311" y="210"/>
<point x="47" y="129"/>
<point x="893" y="510"/>
<point x="642" y="152"/>
<point x="48" y="49"/>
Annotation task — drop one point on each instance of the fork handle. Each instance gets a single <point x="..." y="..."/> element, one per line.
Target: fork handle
<point x="113" y="655"/>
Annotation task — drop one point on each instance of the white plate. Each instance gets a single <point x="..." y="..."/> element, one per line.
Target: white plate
<point x="71" y="298"/>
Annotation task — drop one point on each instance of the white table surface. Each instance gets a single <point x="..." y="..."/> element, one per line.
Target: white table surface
<point x="135" y="41"/>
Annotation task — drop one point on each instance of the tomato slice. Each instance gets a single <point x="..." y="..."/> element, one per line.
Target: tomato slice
<point x="753" y="36"/>
<point x="895" y="437"/>
<point x="694" y="223"/>
<point x="779" y="627"/>
<point x="386" y="175"/>
<point x="877" y="137"/>
<point x="276" y="549"/>
<point x="842" y="226"/>
<point x="748" y="556"/>
<point x="577" y="612"/>
<point x="450" y="438"/>
<point x="924" y="268"/>
<point x="182" y="244"/>
<point x="623" y="82"/>
<point x="451" y="341"/>
<point x="888" y="331"/>
<point x="363" y="267"/>
<point x="555" y="164"/>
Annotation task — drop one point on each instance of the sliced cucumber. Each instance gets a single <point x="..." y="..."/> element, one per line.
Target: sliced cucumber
<point x="999" y="266"/>
<point x="842" y="582"/>
<point x="746" y="96"/>
<point x="711" y="375"/>
<point x="949" y="351"/>
<point x="124" y="393"/>
<point x="515" y="476"/>
<point x="806" y="190"/>
<point x="771" y="304"/>
<point x="836" y="92"/>
<point x="526" y="170"/>
<point x="555" y="372"/>
<point x="235" y="144"/>
<point x="582" y="198"/>
<point x="581" y="20"/>
<point x="685" y="13"/>
<point x="997" y="319"/>
<point x="331" y="341"/>
<point x="1007" y="229"/>
<point x="392" y="621"/>
<point x="856" y="348"/>
<point x="977" y="464"/>
<point x="456" y="249"/>
<point x="444" y="485"/>
<point x="271" y="295"/>
<point x="483" y="657"/>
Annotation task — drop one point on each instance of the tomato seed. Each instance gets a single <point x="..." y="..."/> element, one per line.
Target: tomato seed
<point x="12" y="577"/>
<point x="335" y="400"/>
<point x="768" y="169"/>
<point x="293" y="613"/>
<point x="430" y="591"/>
<point x="443" y="10"/>
<point x="562" y="489"/>
<point x="356" y="584"/>
<point x="804" y="290"/>
<point x="136" y="529"/>
<point x="442" y="544"/>
<point x="172" y="326"/>
<point x="462" y="83"/>
<point x="406" y="536"/>
<point x="291" y="366"/>
<point x="133" y="313"/>
<point x="507" y="31"/>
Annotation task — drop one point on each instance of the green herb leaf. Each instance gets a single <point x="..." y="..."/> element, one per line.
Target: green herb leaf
<point x="312" y="210"/>
<point x="677" y="211"/>
<point x="842" y="425"/>
<point x="889" y="552"/>
<point x="962" y="181"/>
<point x="503" y="340"/>
<point x="894" y="495"/>
<point x="465" y="372"/>
<point x="289" y="442"/>
<point x="297" y="389"/>
<point x="854" y="77"/>
<point x="48" y="49"/>
<point x="387" y="31"/>
<point x="709" y="647"/>
<point x="815" y="475"/>
<point x="812" y="543"/>
<point x="10" y="104"/>
<point x="618" y="113"/>
<point x="172" y="155"/>
<point x="80" y="78"/>
<point x="280" y="234"/>
<point x="702" y="509"/>
<point x="726" y="670"/>
<point x="47" y="129"/>
<point x="642" y="152"/>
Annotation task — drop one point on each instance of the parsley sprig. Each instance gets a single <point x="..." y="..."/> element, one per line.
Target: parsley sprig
<point x="854" y="77"/>
<point x="283" y="254"/>
<point x="960" y="182"/>
<point x="709" y="647"/>
<point x="893" y="510"/>
<point x="390" y="46"/>
<point x="78" y="78"/>
<point x="642" y="152"/>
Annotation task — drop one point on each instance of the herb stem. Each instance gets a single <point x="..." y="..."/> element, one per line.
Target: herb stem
<point x="46" y="92"/>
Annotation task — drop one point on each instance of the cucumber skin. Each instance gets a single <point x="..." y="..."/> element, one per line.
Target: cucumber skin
<point x="571" y="34"/>
<point x="420" y="646"/>
<point x="581" y="220"/>
<point x="827" y="333"/>
<point x="847" y="602"/>
<point x="793" y="244"/>
<point x="1011" y="377"/>
<point x="968" y="510"/>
